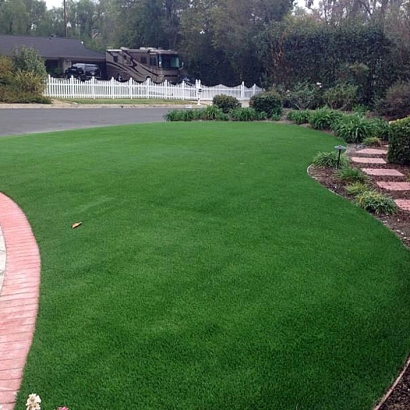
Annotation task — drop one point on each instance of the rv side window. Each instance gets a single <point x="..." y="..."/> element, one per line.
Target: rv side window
<point x="115" y="59"/>
<point x="153" y="61"/>
<point x="143" y="60"/>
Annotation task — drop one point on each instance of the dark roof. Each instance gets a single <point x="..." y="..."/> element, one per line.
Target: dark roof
<point x="50" y="48"/>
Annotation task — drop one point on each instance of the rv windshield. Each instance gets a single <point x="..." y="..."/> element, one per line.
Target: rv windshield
<point x="168" y="61"/>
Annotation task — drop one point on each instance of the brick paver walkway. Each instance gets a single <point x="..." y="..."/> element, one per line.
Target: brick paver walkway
<point x="382" y="172"/>
<point x="19" y="291"/>
<point x="403" y="204"/>
<point x="365" y="160"/>
<point x="372" y="151"/>
<point x="394" y="186"/>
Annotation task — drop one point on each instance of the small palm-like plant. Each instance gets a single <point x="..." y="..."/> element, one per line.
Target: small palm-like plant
<point x="377" y="203"/>
<point x="330" y="160"/>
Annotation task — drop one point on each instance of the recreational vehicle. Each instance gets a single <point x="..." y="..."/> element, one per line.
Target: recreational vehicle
<point x="143" y="63"/>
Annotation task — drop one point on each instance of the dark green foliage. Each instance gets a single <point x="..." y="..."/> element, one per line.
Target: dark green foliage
<point x="372" y="142"/>
<point x="353" y="128"/>
<point x="396" y="103"/>
<point x="329" y="160"/>
<point x="341" y="97"/>
<point x="381" y="129"/>
<point x="350" y="174"/>
<point x="376" y="203"/>
<point x="26" y="59"/>
<point x="299" y="116"/>
<point x="313" y="52"/>
<point x="399" y="143"/>
<point x="226" y="102"/>
<point x="244" y="114"/>
<point x="270" y="102"/>
<point x="324" y="118"/>
<point x="303" y="96"/>
<point x="210" y="113"/>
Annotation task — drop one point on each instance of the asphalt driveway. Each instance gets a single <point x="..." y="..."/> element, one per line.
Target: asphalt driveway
<point x="15" y="121"/>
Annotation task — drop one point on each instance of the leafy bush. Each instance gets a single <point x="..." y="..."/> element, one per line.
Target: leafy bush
<point x="340" y="97"/>
<point x="303" y="96"/>
<point x="6" y="70"/>
<point x="29" y="82"/>
<point x="381" y="129"/>
<point x="209" y="113"/>
<point x="396" y="103"/>
<point x="399" y="143"/>
<point x="372" y="142"/>
<point x="269" y="102"/>
<point x="275" y="117"/>
<point x="226" y="102"/>
<point x="324" y="118"/>
<point x="357" y="188"/>
<point x="353" y="128"/>
<point x="244" y="114"/>
<point x="350" y="174"/>
<point x="299" y="117"/>
<point x="329" y="160"/>
<point x="26" y="59"/>
<point x="376" y="203"/>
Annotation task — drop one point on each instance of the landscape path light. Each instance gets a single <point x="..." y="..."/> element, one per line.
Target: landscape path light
<point x="340" y="148"/>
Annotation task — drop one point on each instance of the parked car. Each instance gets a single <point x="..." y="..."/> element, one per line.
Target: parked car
<point x="83" y="71"/>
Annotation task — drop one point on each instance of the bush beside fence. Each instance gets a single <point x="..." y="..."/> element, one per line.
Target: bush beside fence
<point x="93" y="89"/>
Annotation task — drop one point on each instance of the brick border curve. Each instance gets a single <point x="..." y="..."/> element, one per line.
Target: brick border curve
<point x="19" y="293"/>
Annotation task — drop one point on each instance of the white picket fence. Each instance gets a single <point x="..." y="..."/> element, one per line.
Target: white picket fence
<point x="73" y="88"/>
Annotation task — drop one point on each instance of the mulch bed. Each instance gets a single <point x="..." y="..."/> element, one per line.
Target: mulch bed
<point x="399" y="396"/>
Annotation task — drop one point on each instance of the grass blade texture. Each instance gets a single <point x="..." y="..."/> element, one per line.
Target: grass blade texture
<point x="209" y="272"/>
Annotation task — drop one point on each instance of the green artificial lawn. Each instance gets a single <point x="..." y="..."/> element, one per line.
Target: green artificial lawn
<point x="210" y="272"/>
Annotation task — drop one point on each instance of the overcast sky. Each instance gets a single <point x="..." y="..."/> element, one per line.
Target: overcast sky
<point x="54" y="3"/>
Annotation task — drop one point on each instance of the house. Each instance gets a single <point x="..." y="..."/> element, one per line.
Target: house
<point x="58" y="53"/>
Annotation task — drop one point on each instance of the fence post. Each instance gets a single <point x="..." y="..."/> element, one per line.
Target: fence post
<point x="93" y="87"/>
<point x="254" y="89"/>
<point x="198" y="91"/>
<point x="130" y="87"/>
<point x="243" y="90"/>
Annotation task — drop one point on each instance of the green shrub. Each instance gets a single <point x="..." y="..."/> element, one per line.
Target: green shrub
<point x="372" y="142"/>
<point x="399" y="143"/>
<point x="350" y="175"/>
<point x="6" y="70"/>
<point x="299" y="117"/>
<point x="210" y="113"/>
<point x="353" y="128"/>
<point x="304" y="95"/>
<point x="329" y="160"/>
<point x="174" y="115"/>
<point x="26" y="59"/>
<point x="29" y="82"/>
<point x="226" y="103"/>
<point x="396" y="103"/>
<point x="275" y="117"/>
<point x="357" y="188"/>
<point x="324" y="118"/>
<point x="376" y="203"/>
<point x="213" y="113"/>
<point x="381" y="129"/>
<point x="340" y="97"/>
<point x="244" y="114"/>
<point x="269" y="102"/>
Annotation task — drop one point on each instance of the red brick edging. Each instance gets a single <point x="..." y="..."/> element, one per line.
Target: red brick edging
<point x="18" y="298"/>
